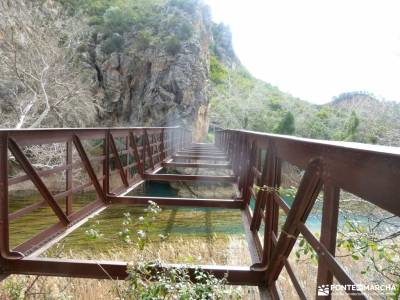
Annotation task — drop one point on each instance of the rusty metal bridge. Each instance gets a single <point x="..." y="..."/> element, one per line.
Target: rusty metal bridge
<point x="137" y="155"/>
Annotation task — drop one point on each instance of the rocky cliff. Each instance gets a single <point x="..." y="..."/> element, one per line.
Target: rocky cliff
<point x="155" y="76"/>
<point x="110" y="63"/>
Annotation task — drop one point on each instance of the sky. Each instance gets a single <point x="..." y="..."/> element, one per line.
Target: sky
<point x="317" y="49"/>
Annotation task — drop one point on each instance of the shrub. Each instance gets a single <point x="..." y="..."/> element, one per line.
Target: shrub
<point x="188" y="6"/>
<point x="185" y="31"/>
<point x="218" y="72"/>
<point x="143" y="39"/>
<point x="172" y="45"/>
<point x="116" y="20"/>
<point x="286" y="125"/>
<point x="112" y="44"/>
<point x="172" y="284"/>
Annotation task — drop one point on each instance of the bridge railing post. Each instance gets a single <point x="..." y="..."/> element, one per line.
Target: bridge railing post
<point x="4" y="226"/>
<point x="329" y="224"/>
<point x="106" y="163"/>
<point x="68" y="177"/>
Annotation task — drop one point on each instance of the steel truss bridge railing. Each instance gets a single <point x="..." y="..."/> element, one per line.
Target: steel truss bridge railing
<point x="136" y="155"/>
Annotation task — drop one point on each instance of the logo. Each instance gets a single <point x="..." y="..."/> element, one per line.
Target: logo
<point x="323" y="290"/>
<point x="354" y="289"/>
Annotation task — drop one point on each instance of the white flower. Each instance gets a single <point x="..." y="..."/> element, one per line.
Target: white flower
<point x="141" y="234"/>
<point x="141" y="219"/>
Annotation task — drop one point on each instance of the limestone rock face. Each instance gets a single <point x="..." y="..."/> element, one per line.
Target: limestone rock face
<point x="155" y="84"/>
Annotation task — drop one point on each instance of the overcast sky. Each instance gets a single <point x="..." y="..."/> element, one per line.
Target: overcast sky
<point x="316" y="49"/>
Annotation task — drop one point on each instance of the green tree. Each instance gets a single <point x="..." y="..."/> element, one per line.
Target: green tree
<point x="218" y="72"/>
<point x="350" y="128"/>
<point x="286" y="125"/>
<point x="116" y="20"/>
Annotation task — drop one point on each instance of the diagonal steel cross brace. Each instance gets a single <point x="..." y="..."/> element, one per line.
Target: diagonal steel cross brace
<point x="37" y="181"/>
<point x="308" y="191"/>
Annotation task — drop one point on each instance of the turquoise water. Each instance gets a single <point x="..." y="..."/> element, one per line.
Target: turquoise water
<point x="172" y="221"/>
<point x="361" y="215"/>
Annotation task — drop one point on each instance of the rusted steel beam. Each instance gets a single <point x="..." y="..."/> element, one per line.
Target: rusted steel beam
<point x="54" y="170"/>
<point x="157" y="148"/>
<point x="118" y="270"/>
<point x="89" y="168"/>
<point x="270" y="178"/>
<point x="44" y="173"/>
<point x="173" y="177"/>
<point x="118" y="161"/>
<point x="75" y="189"/>
<point x="340" y="274"/>
<point x="255" y="249"/>
<point x="149" y="150"/>
<point x="275" y="206"/>
<point x="38" y="136"/>
<point x="162" y="146"/>
<point x="60" y="196"/>
<point x="243" y="158"/>
<point x="201" y="153"/>
<point x="37" y="181"/>
<point x="253" y="240"/>
<point x="266" y="183"/>
<point x="250" y="174"/>
<point x="350" y="166"/>
<point x="68" y="178"/>
<point x="203" y="157"/>
<point x="333" y="266"/>
<point x="48" y="235"/>
<point x="321" y="250"/>
<point x="140" y="164"/>
<point x="308" y="191"/>
<point x="5" y="252"/>
<point x="244" y="171"/>
<point x="296" y="283"/>
<point x="205" y="145"/>
<point x="128" y="154"/>
<point x="106" y="163"/>
<point x="144" y="150"/>
<point x="26" y="210"/>
<point x="169" y="201"/>
<point x="235" y="153"/>
<point x="256" y="220"/>
<point x="196" y="165"/>
<point x="211" y="148"/>
<point x="329" y="224"/>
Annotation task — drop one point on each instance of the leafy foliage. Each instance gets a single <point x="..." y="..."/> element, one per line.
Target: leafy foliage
<point x="172" y="284"/>
<point x="153" y="23"/>
<point x="240" y="101"/>
<point x="187" y="5"/>
<point x="381" y="252"/>
<point x="286" y="125"/>
<point x="218" y="72"/>
<point x="113" y="44"/>
<point x="351" y="127"/>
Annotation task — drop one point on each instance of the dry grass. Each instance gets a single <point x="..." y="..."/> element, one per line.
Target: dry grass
<point x="306" y="272"/>
<point x="230" y="250"/>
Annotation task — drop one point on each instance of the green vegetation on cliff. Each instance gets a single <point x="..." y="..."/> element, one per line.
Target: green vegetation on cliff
<point x="155" y="22"/>
<point x="125" y="56"/>
<point x="238" y="100"/>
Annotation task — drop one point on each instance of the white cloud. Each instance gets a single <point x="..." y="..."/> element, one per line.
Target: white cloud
<point x="317" y="49"/>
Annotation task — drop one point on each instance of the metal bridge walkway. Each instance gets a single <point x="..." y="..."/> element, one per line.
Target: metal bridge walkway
<point x="255" y="166"/>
